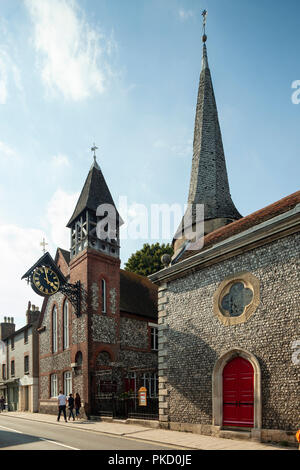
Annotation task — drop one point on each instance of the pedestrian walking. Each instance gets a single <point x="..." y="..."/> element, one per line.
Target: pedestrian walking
<point x="62" y="402"/>
<point x="2" y="404"/>
<point x="71" y="406"/>
<point x="77" y="405"/>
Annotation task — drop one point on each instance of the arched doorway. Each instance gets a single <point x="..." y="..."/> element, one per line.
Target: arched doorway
<point x="238" y="393"/>
<point x="217" y="388"/>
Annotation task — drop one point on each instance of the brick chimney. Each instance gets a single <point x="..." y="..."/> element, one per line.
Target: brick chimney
<point x="7" y="327"/>
<point x="32" y="313"/>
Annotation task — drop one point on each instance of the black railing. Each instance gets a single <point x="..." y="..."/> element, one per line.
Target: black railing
<point x="124" y="407"/>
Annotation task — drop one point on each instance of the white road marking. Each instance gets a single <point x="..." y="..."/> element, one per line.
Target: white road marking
<point x="41" y="438"/>
<point x="58" y="443"/>
<point x="13" y="430"/>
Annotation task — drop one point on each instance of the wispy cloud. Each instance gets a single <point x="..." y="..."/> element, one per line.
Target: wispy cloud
<point x="8" y="154"/>
<point x="182" y="148"/>
<point x="59" y="212"/>
<point x="184" y="15"/>
<point x="21" y="248"/>
<point x="9" y="74"/>
<point x="60" y="160"/>
<point x="72" y="55"/>
<point x="3" y="78"/>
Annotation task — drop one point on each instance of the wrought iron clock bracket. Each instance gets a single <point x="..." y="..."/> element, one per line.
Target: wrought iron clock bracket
<point x="73" y="293"/>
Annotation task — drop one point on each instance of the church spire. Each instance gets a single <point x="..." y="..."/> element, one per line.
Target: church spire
<point x="209" y="181"/>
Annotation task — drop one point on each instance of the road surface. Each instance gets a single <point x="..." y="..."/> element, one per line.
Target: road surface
<point x="20" y="434"/>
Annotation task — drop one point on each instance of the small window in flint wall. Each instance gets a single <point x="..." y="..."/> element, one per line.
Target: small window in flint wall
<point x="66" y="325"/>
<point x="237" y="299"/>
<point x="26" y="364"/>
<point x="103" y="294"/>
<point x="53" y="386"/>
<point x="154" y="338"/>
<point x="54" y="329"/>
<point x="78" y="359"/>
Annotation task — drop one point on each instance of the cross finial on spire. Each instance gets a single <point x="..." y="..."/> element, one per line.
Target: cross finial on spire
<point x="43" y="244"/>
<point x="204" y="14"/>
<point x="93" y="149"/>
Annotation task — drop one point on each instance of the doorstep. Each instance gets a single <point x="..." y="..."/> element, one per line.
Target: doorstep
<point x="230" y="434"/>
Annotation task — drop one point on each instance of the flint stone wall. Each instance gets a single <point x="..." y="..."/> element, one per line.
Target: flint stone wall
<point x="192" y="338"/>
<point x="103" y="329"/>
<point x="134" y="333"/>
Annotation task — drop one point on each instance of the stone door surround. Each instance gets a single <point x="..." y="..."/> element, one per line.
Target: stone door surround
<point x="217" y="388"/>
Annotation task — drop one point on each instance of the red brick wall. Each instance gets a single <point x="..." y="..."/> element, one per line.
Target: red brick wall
<point x="88" y="268"/>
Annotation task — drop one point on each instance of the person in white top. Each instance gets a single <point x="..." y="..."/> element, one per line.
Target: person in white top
<point x="62" y="401"/>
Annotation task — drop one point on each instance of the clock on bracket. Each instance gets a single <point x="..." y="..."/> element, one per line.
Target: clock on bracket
<point x="45" y="281"/>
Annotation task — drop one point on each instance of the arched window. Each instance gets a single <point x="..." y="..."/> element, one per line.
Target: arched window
<point x="54" y="330"/>
<point x="66" y="325"/>
<point x="103" y="293"/>
<point x="78" y="359"/>
<point x="103" y="359"/>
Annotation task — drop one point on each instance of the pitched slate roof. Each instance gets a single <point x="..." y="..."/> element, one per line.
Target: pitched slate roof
<point x="138" y="295"/>
<point x="66" y="254"/>
<point x="238" y="226"/>
<point x="94" y="193"/>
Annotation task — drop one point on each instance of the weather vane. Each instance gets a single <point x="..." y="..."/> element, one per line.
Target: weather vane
<point x="204" y="14"/>
<point x="43" y="244"/>
<point x="93" y="149"/>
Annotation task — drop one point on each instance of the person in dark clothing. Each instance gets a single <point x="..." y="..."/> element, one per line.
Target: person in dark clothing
<point x="71" y="406"/>
<point x="77" y="404"/>
<point x="2" y="403"/>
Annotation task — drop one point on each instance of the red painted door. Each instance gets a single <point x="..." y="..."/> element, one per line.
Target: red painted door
<point x="238" y="393"/>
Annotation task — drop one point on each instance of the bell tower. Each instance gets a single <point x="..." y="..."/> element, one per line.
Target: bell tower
<point x="95" y="262"/>
<point x="83" y="223"/>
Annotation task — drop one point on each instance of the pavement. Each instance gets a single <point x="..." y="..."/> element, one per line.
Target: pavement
<point x="178" y="439"/>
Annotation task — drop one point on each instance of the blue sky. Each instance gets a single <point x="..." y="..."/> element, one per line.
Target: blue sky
<point x="124" y="74"/>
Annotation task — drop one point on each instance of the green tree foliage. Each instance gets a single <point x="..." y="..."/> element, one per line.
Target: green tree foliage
<point x="148" y="260"/>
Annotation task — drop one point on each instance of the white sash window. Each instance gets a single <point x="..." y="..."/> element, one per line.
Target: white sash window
<point x="66" y="325"/>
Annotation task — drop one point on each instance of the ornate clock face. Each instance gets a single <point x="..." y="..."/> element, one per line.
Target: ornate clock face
<point x="45" y="281"/>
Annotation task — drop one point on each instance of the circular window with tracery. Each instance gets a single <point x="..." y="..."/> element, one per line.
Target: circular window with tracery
<point x="236" y="298"/>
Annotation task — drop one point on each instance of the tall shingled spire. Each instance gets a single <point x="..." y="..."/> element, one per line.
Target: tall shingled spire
<point x="209" y="181"/>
